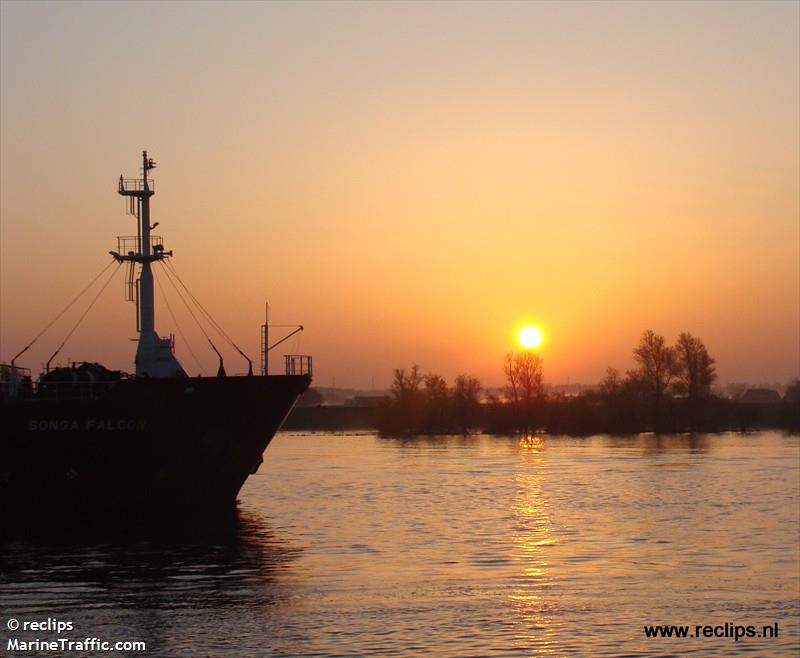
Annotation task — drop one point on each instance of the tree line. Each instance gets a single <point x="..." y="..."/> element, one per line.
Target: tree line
<point x="668" y="390"/>
<point x="425" y="404"/>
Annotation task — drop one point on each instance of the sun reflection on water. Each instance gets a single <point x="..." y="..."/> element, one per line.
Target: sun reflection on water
<point x="533" y="534"/>
<point x="531" y="443"/>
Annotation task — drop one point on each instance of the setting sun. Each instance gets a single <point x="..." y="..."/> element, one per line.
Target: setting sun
<point x="530" y="337"/>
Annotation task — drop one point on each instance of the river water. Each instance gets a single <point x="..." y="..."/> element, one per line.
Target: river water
<point x="357" y="545"/>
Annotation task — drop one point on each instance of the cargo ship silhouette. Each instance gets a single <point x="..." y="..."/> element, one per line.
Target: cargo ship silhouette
<point x="83" y="440"/>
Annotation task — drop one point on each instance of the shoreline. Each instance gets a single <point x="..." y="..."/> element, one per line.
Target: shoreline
<point x="732" y="416"/>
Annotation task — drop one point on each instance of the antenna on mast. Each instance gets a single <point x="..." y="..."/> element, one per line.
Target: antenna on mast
<point x="265" y="341"/>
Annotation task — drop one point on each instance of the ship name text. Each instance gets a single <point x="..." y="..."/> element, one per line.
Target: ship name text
<point x="88" y="425"/>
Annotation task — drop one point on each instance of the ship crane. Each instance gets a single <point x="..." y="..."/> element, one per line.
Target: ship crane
<point x="295" y="363"/>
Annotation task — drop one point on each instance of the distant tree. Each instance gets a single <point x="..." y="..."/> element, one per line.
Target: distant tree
<point x="793" y="392"/>
<point x="404" y="384"/>
<point x="424" y="404"/>
<point x="694" y="374"/>
<point x="435" y="386"/>
<point x="695" y="368"/>
<point x="791" y="405"/>
<point x="524" y="386"/>
<point x="437" y="403"/>
<point x="618" y="399"/>
<point x="404" y="414"/>
<point x="611" y="383"/>
<point x="610" y="390"/>
<point x="466" y="402"/>
<point x="657" y="367"/>
<point x="499" y="414"/>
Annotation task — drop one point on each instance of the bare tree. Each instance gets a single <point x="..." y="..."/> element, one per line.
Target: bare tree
<point x="657" y="368"/>
<point x="694" y="375"/>
<point x="435" y="386"/>
<point x="437" y="403"/>
<point x="424" y="404"/>
<point x="524" y="387"/>
<point x="405" y="385"/>
<point x="465" y="401"/>
<point x="611" y="383"/>
<point x="407" y="409"/>
<point x="695" y="367"/>
<point x="618" y="401"/>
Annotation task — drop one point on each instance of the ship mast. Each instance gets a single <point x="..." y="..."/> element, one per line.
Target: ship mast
<point x="154" y="355"/>
<point x="146" y="304"/>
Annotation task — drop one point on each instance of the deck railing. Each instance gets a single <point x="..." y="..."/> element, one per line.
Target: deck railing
<point x="15" y="382"/>
<point x="72" y="390"/>
<point x="129" y="244"/>
<point x="136" y="185"/>
<point x="298" y="364"/>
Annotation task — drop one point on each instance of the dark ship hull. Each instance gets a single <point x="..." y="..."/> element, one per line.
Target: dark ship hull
<point x="143" y="447"/>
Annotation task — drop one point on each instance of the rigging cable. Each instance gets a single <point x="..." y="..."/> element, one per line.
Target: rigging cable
<point x="211" y="320"/>
<point x="85" y="313"/>
<point x="58" y="317"/>
<point x="194" y="317"/>
<point x="175" y="320"/>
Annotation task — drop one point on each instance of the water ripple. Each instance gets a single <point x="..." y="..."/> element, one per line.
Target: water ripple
<point x="451" y="546"/>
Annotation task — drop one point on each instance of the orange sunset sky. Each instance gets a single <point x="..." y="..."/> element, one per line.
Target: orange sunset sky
<point x="412" y="181"/>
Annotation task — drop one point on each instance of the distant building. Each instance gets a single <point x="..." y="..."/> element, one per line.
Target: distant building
<point x="366" y="401"/>
<point x="735" y="390"/>
<point x="760" y="396"/>
<point x="311" y="398"/>
<point x="570" y="390"/>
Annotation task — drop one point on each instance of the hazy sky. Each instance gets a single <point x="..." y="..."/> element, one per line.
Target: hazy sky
<point x="413" y="181"/>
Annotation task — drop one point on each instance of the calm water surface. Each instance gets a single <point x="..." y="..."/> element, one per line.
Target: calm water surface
<point x="480" y="546"/>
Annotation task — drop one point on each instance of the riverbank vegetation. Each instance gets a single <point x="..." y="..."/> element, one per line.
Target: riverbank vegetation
<point x="425" y="404"/>
<point x="668" y="390"/>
